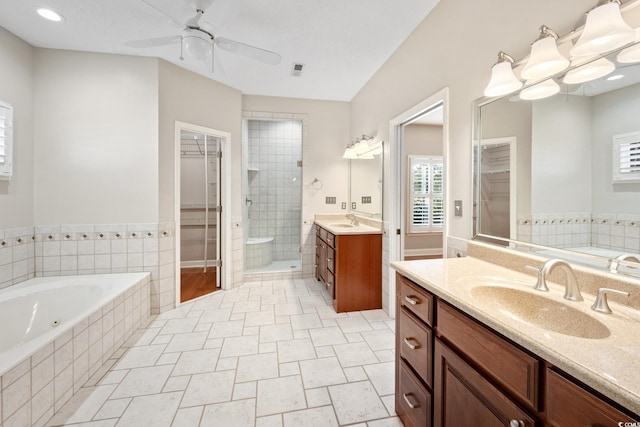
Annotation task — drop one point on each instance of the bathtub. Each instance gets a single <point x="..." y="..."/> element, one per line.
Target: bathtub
<point x="61" y="330"/>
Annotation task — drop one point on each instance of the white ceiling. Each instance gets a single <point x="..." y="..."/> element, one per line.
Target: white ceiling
<point x="341" y="42"/>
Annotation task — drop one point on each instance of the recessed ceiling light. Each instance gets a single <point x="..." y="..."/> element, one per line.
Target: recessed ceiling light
<point x="49" y="14"/>
<point x="615" y="77"/>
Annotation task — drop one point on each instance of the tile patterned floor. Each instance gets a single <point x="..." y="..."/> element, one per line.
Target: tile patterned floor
<point x="270" y="353"/>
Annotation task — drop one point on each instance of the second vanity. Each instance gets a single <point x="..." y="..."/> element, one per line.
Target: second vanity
<point x="477" y="345"/>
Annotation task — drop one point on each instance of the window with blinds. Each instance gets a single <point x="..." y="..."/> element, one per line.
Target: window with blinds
<point x="626" y="158"/>
<point x="6" y="141"/>
<point x="426" y="198"/>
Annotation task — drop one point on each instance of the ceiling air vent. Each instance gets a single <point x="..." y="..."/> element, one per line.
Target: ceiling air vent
<point x="296" y="70"/>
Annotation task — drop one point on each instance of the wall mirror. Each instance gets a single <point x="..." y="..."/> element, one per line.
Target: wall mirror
<point x="547" y="172"/>
<point x="365" y="182"/>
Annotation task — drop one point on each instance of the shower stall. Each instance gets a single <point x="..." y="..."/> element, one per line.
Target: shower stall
<point x="199" y="213"/>
<point x="272" y="194"/>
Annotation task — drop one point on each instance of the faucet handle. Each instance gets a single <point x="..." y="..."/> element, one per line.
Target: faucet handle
<point x="601" y="305"/>
<point x="541" y="283"/>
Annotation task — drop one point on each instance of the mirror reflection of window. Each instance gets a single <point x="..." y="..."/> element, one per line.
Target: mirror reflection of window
<point x="426" y="210"/>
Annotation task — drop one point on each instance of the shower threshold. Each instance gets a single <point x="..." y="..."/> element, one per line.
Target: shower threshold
<point x="278" y="266"/>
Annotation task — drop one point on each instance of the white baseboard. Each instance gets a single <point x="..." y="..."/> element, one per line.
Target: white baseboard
<point x="423" y="252"/>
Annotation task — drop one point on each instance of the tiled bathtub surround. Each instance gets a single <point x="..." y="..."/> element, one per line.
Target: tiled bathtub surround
<point x="32" y="391"/>
<point x="111" y="248"/>
<point x="620" y="232"/>
<point x="17" y="255"/>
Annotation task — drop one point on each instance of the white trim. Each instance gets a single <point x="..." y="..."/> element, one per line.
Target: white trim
<point x="423" y="252"/>
<point x="396" y="196"/>
<point x="225" y="190"/>
<point x="626" y="139"/>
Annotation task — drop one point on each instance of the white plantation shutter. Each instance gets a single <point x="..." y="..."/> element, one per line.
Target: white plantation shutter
<point x="426" y="210"/>
<point x="626" y="158"/>
<point x="6" y="141"/>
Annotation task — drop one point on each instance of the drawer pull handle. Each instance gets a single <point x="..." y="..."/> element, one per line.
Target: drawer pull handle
<point x="411" y="300"/>
<point x="516" y="423"/>
<point x="328" y="259"/>
<point x="406" y="399"/>
<point x="410" y="343"/>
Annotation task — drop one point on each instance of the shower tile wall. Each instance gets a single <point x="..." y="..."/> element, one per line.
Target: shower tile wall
<point x="274" y="184"/>
<point x="17" y="255"/>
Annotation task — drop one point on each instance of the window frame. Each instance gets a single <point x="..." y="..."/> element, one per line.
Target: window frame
<point x="430" y="228"/>
<point x="6" y="168"/>
<point x="619" y="142"/>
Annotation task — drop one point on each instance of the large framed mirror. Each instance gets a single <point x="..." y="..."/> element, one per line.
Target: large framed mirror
<point x="365" y="182"/>
<point x="560" y="176"/>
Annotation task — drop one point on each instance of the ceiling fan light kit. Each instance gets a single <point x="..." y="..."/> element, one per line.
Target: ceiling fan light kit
<point x="199" y="43"/>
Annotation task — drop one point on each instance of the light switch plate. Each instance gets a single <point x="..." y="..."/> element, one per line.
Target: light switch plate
<point x="457" y="206"/>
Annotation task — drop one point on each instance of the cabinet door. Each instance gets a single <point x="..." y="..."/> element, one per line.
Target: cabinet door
<point x="463" y="397"/>
<point x="570" y="405"/>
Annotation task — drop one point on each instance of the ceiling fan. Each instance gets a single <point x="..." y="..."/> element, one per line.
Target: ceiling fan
<point x="200" y="42"/>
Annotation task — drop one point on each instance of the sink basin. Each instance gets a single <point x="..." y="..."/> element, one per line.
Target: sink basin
<point x="539" y="311"/>
<point x="342" y="225"/>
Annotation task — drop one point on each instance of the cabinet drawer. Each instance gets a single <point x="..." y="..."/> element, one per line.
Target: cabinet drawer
<point x="415" y="299"/>
<point x="511" y="367"/>
<point x="413" y="402"/>
<point x="416" y="345"/>
<point x="323" y="234"/>
<point x="331" y="259"/>
<point x="331" y="240"/>
<point x="331" y="285"/>
<point x="570" y="405"/>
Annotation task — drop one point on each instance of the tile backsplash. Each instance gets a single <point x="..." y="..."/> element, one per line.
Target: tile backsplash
<point x="68" y="250"/>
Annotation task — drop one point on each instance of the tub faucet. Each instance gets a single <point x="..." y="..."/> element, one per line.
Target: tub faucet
<point x="572" y="292"/>
<point x="614" y="264"/>
<point x="354" y="220"/>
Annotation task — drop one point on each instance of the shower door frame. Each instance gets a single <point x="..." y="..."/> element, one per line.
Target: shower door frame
<point x="224" y="272"/>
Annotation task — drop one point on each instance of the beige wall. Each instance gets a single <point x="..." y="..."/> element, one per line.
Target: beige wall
<point x="188" y="97"/>
<point x="16" y="88"/>
<point x="96" y="133"/>
<point x="455" y="47"/>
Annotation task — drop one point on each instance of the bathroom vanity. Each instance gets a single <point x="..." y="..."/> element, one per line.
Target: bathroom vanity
<point x="349" y="264"/>
<point x="468" y="355"/>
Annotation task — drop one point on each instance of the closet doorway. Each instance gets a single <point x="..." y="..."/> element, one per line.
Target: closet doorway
<point x="199" y="231"/>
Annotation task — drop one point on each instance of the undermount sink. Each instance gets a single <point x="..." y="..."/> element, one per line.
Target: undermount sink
<point x="540" y="311"/>
<point x="342" y="225"/>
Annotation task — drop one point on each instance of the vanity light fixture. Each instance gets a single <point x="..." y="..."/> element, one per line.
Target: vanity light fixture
<point x="49" y="14"/>
<point x="590" y="71"/>
<point x="604" y="30"/>
<point x="630" y="54"/>
<point x="541" y="90"/>
<point x="349" y="153"/>
<point x="545" y="60"/>
<point x="503" y="81"/>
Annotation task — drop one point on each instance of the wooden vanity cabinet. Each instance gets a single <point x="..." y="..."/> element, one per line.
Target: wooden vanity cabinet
<point x="458" y="372"/>
<point x="350" y="267"/>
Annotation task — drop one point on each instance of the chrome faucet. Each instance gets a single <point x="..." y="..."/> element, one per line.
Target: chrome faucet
<point x="572" y="292"/>
<point x="354" y="220"/>
<point x="614" y="264"/>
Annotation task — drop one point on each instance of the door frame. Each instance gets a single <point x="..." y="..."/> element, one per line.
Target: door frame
<point x="225" y="271"/>
<point x="397" y="168"/>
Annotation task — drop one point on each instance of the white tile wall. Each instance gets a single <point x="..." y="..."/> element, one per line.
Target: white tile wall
<point x="32" y="391"/>
<point x="17" y="255"/>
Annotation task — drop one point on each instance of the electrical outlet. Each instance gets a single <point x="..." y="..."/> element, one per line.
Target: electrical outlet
<point x="344" y="205"/>
<point x="330" y="200"/>
<point x="353" y="205"/>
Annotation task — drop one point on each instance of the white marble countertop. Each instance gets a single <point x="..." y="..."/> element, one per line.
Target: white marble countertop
<point x="339" y="226"/>
<point x="608" y="361"/>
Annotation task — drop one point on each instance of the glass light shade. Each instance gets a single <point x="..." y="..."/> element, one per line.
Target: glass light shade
<point x="544" y="60"/>
<point x="349" y="153"/>
<point x="591" y="71"/>
<point x="197" y="46"/>
<point x="541" y="90"/>
<point x="632" y="53"/>
<point x="503" y="81"/>
<point x="605" y="30"/>
<point x="49" y="14"/>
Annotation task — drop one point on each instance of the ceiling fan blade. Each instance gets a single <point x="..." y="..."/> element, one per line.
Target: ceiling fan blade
<point x="252" y="52"/>
<point x="173" y="20"/>
<point x="158" y="41"/>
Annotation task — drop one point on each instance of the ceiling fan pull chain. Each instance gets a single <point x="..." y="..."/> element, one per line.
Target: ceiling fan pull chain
<point x="181" y="47"/>
<point x="213" y="51"/>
